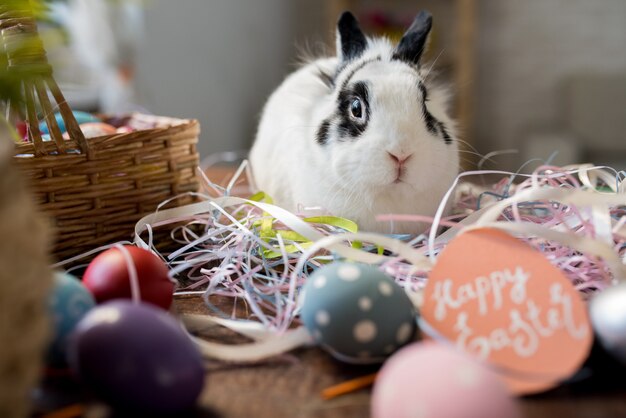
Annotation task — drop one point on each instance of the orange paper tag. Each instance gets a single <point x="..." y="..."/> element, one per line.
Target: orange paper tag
<point x="499" y="299"/>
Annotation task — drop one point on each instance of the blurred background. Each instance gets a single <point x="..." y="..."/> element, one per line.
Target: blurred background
<point x="529" y="78"/>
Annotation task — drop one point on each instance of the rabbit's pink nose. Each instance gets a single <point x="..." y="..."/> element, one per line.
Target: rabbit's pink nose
<point x="399" y="159"/>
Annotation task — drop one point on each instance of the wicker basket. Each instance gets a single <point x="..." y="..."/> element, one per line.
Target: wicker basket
<point x="94" y="189"/>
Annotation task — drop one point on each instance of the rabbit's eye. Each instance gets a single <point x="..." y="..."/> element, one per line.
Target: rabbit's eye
<point x="357" y="112"/>
<point x="353" y="109"/>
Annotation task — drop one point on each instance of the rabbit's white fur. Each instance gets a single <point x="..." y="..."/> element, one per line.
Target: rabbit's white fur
<point x="356" y="178"/>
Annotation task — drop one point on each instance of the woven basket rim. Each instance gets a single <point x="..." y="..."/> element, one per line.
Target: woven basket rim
<point x="27" y="149"/>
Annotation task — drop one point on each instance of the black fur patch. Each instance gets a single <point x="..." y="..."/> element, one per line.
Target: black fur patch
<point x="322" y="133"/>
<point x="412" y="44"/>
<point x="429" y="119"/>
<point x="433" y="125"/>
<point x="446" y="137"/>
<point x="340" y="68"/>
<point x="431" y="122"/>
<point x="352" y="40"/>
<point x="347" y="126"/>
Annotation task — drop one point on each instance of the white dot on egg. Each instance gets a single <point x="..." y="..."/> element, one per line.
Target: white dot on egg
<point x="365" y="303"/>
<point x="349" y="273"/>
<point x="404" y="333"/>
<point x="322" y="318"/>
<point x="319" y="282"/>
<point x="468" y="376"/>
<point x="385" y="288"/>
<point x="364" y="331"/>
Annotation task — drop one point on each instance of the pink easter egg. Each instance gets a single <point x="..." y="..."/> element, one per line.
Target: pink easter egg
<point x="431" y="380"/>
<point x="94" y="129"/>
<point x="124" y="129"/>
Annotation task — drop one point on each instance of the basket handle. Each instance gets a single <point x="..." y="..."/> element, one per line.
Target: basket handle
<point x="26" y="58"/>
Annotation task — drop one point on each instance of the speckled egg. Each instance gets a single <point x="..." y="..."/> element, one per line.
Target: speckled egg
<point x="432" y="380"/>
<point x="356" y="312"/>
<point x="69" y="303"/>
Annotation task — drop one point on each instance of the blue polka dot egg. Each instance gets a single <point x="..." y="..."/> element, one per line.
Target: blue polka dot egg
<point x="356" y="312"/>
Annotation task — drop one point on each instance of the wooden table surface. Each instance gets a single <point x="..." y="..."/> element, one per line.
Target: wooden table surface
<point x="290" y="386"/>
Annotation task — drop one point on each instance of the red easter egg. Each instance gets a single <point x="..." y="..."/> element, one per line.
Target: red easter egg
<point x="107" y="277"/>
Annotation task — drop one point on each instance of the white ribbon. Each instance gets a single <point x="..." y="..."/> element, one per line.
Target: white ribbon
<point x="269" y="343"/>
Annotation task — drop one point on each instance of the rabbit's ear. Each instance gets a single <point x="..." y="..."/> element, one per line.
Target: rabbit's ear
<point x="413" y="41"/>
<point x="350" y="40"/>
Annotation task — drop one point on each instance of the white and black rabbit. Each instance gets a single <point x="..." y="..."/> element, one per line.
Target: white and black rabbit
<point x="359" y="134"/>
